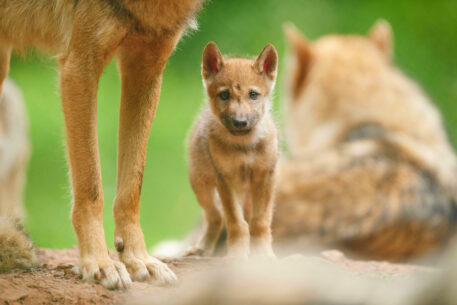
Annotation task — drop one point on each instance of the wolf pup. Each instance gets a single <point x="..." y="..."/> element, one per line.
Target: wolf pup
<point x="86" y="35"/>
<point x="233" y="152"/>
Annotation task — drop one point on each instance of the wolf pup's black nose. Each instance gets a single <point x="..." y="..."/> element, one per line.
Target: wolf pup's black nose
<point x="240" y="123"/>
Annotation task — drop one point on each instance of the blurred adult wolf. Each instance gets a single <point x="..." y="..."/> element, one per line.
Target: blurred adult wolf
<point x="370" y="165"/>
<point x="16" y="249"/>
<point x="86" y="35"/>
<point x="14" y="151"/>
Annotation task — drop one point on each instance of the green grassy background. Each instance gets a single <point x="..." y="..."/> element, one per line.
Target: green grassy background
<point x="425" y="48"/>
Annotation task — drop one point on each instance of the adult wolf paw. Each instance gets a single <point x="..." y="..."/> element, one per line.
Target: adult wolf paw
<point x="111" y="274"/>
<point x="143" y="267"/>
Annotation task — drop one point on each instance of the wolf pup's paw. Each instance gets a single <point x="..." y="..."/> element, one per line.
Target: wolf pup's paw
<point x="111" y="274"/>
<point x="262" y="249"/>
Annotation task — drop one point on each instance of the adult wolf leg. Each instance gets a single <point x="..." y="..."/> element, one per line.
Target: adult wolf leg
<point x="5" y="55"/>
<point x="81" y="67"/>
<point x="141" y="65"/>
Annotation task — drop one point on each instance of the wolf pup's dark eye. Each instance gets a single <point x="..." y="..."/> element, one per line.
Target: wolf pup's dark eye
<point x="253" y="95"/>
<point x="224" y="95"/>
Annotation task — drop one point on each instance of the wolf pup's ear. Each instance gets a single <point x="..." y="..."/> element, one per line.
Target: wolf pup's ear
<point x="301" y="52"/>
<point x="381" y="35"/>
<point x="267" y="62"/>
<point x="212" y="60"/>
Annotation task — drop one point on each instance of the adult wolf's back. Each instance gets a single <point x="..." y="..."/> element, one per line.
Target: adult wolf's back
<point x="86" y="35"/>
<point x="371" y="167"/>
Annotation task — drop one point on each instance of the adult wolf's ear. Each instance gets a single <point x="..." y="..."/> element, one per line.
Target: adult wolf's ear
<point x="381" y="35"/>
<point x="267" y="62"/>
<point x="301" y="52"/>
<point x="212" y="60"/>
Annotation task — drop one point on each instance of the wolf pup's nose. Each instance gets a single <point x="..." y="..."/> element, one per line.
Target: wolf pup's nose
<point x="240" y="123"/>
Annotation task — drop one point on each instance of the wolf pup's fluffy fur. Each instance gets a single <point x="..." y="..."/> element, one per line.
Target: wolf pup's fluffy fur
<point x="370" y="166"/>
<point x="233" y="152"/>
<point x="86" y="35"/>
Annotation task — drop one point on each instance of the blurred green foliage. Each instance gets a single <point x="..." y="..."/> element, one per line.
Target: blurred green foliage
<point x="425" y="48"/>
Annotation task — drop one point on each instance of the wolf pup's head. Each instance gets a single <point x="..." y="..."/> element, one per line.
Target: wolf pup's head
<point x="239" y="89"/>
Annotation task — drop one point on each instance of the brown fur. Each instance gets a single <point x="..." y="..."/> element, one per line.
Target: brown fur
<point x="235" y="165"/>
<point x="370" y="165"/>
<point x="86" y="35"/>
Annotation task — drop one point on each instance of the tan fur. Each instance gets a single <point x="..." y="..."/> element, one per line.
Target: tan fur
<point x="370" y="165"/>
<point x="14" y="151"/>
<point x="237" y="169"/>
<point x="86" y="35"/>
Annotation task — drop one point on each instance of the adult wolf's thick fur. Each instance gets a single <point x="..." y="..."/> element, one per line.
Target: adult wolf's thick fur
<point x="16" y="248"/>
<point x="370" y="165"/>
<point x="86" y="35"/>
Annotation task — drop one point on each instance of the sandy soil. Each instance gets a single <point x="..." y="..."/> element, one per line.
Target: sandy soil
<point x="56" y="281"/>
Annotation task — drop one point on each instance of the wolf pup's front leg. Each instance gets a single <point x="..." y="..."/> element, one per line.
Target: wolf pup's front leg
<point x="262" y="184"/>
<point x="233" y="151"/>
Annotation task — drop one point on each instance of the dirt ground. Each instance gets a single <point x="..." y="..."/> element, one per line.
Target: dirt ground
<point x="56" y="282"/>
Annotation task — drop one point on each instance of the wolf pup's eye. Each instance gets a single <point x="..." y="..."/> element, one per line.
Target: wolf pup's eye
<point x="224" y="95"/>
<point x="253" y="95"/>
